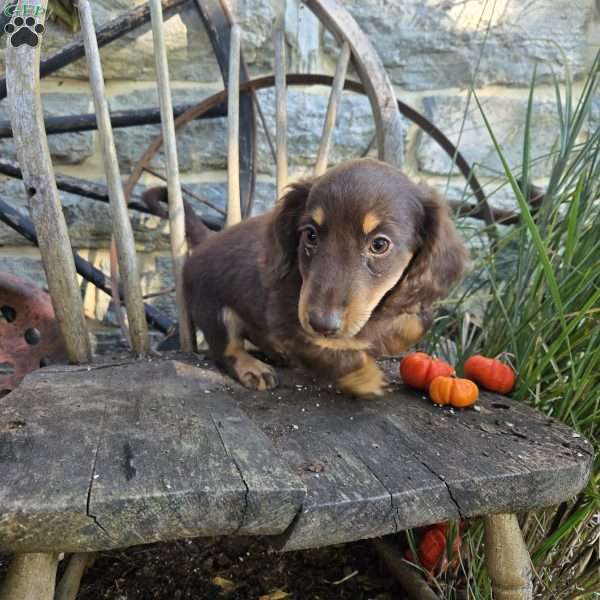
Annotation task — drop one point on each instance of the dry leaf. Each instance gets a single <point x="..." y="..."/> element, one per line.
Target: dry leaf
<point x="276" y="595"/>
<point x="225" y="584"/>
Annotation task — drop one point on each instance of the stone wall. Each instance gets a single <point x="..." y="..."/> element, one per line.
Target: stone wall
<point x="434" y="51"/>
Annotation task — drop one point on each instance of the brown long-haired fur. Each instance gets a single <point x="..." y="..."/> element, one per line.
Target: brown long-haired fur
<point x="343" y="270"/>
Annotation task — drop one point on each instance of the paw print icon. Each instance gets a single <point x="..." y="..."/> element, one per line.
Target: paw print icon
<point x="24" y="31"/>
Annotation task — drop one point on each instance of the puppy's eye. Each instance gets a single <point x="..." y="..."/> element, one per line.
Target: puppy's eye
<point x="379" y="245"/>
<point x="310" y="236"/>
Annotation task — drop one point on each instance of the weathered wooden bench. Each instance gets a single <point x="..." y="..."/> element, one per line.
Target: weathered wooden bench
<point x="131" y="451"/>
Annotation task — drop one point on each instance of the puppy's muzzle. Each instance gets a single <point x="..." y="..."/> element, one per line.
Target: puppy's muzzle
<point x="325" y="323"/>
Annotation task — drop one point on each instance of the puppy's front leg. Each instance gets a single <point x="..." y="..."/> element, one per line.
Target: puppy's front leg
<point x="224" y="332"/>
<point x="366" y="380"/>
<point x="354" y="371"/>
<point x="249" y="371"/>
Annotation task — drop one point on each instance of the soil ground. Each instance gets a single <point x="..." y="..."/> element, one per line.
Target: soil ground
<point x="236" y="569"/>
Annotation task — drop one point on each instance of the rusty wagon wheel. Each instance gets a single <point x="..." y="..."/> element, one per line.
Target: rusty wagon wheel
<point x="356" y="46"/>
<point x="481" y="210"/>
<point x="373" y="82"/>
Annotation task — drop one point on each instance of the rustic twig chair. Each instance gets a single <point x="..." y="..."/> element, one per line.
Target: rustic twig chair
<point x="132" y="451"/>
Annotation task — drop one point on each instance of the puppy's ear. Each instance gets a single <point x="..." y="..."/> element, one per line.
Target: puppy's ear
<point x="283" y="234"/>
<point x="440" y="257"/>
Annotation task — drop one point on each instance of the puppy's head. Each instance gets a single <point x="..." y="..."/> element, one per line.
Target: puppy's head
<point x="363" y="235"/>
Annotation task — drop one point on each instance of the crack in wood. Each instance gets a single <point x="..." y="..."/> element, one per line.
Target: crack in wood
<point x="449" y="490"/>
<point x="279" y="541"/>
<point x="239" y="470"/>
<point x="89" y="368"/>
<point x="393" y="510"/>
<point x="93" y="475"/>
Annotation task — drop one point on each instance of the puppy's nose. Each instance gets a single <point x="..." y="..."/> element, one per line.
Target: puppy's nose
<point x="328" y="323"/>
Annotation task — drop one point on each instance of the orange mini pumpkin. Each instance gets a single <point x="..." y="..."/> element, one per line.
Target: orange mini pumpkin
<point x="454" y="391"/>
<point x="419" y="369"/>
<point x="490" y="373"/>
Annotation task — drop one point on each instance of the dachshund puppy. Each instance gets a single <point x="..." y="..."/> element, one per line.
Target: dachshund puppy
<point x="343" y="270"/>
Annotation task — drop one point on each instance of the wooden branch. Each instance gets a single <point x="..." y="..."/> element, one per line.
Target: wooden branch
<point x="22" y="67"/>
<point x="179" y="249"/>
<point x="334" y="100"/>
<point x="113" y="263"/>
<point x="412" y="582"/>
<point x="234" y="212"/>
<point x="30" y="576"/>
<point x="281" y="116"/>
<point x="98" y="191"/>
<point x="122" y="229"/>
<point x="218" y="19"/>
<point x="507" y="559"/>
<point x="474" y="211"/>
<point x="70" y="582"/>
<point x="118" y="119"/>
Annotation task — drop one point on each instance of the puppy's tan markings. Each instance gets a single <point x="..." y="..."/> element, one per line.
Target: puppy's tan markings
<point x="370" y="222"/>
<point x="363" y="304"/>
<point x="250" y="372"/>
<point x="318" y="216"/>
<point x="410" y="328"/>
<point x="365" y="300"/>
<point x="303" y="309"/>
<point x="342" y="344"/>
<point x="367" y="380"/>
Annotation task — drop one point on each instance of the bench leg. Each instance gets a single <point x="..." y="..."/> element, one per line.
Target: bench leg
<point x="30" y="577"/>
<point x="507" y="559"/>
<point x="70" y="582"/>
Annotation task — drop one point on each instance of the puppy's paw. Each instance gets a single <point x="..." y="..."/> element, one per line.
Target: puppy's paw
<point x="253" y="373"/>
<point x="367" y="381"/>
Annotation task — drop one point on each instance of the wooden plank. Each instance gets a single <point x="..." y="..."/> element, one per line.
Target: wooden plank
<point x="507" y="459"/>
<point x="122" y="230"/>
<point x="179" y="249"/>
<point x="161" y="470"/>
<point x="234" y="210"/>
<point x="281" y="116"/>
<point x="334" y="99"/>
<point x="339" y="21"/>
<point x="158" y="450"/>
<point x="362" y="479"/>
<point x="165" y="454"/>
<point x="46" y="466"/>
<point x="180" y="459"/>
<point x="266" y="475"/>
<point x="434" y="464"/>
<point x="22" y="69"/>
